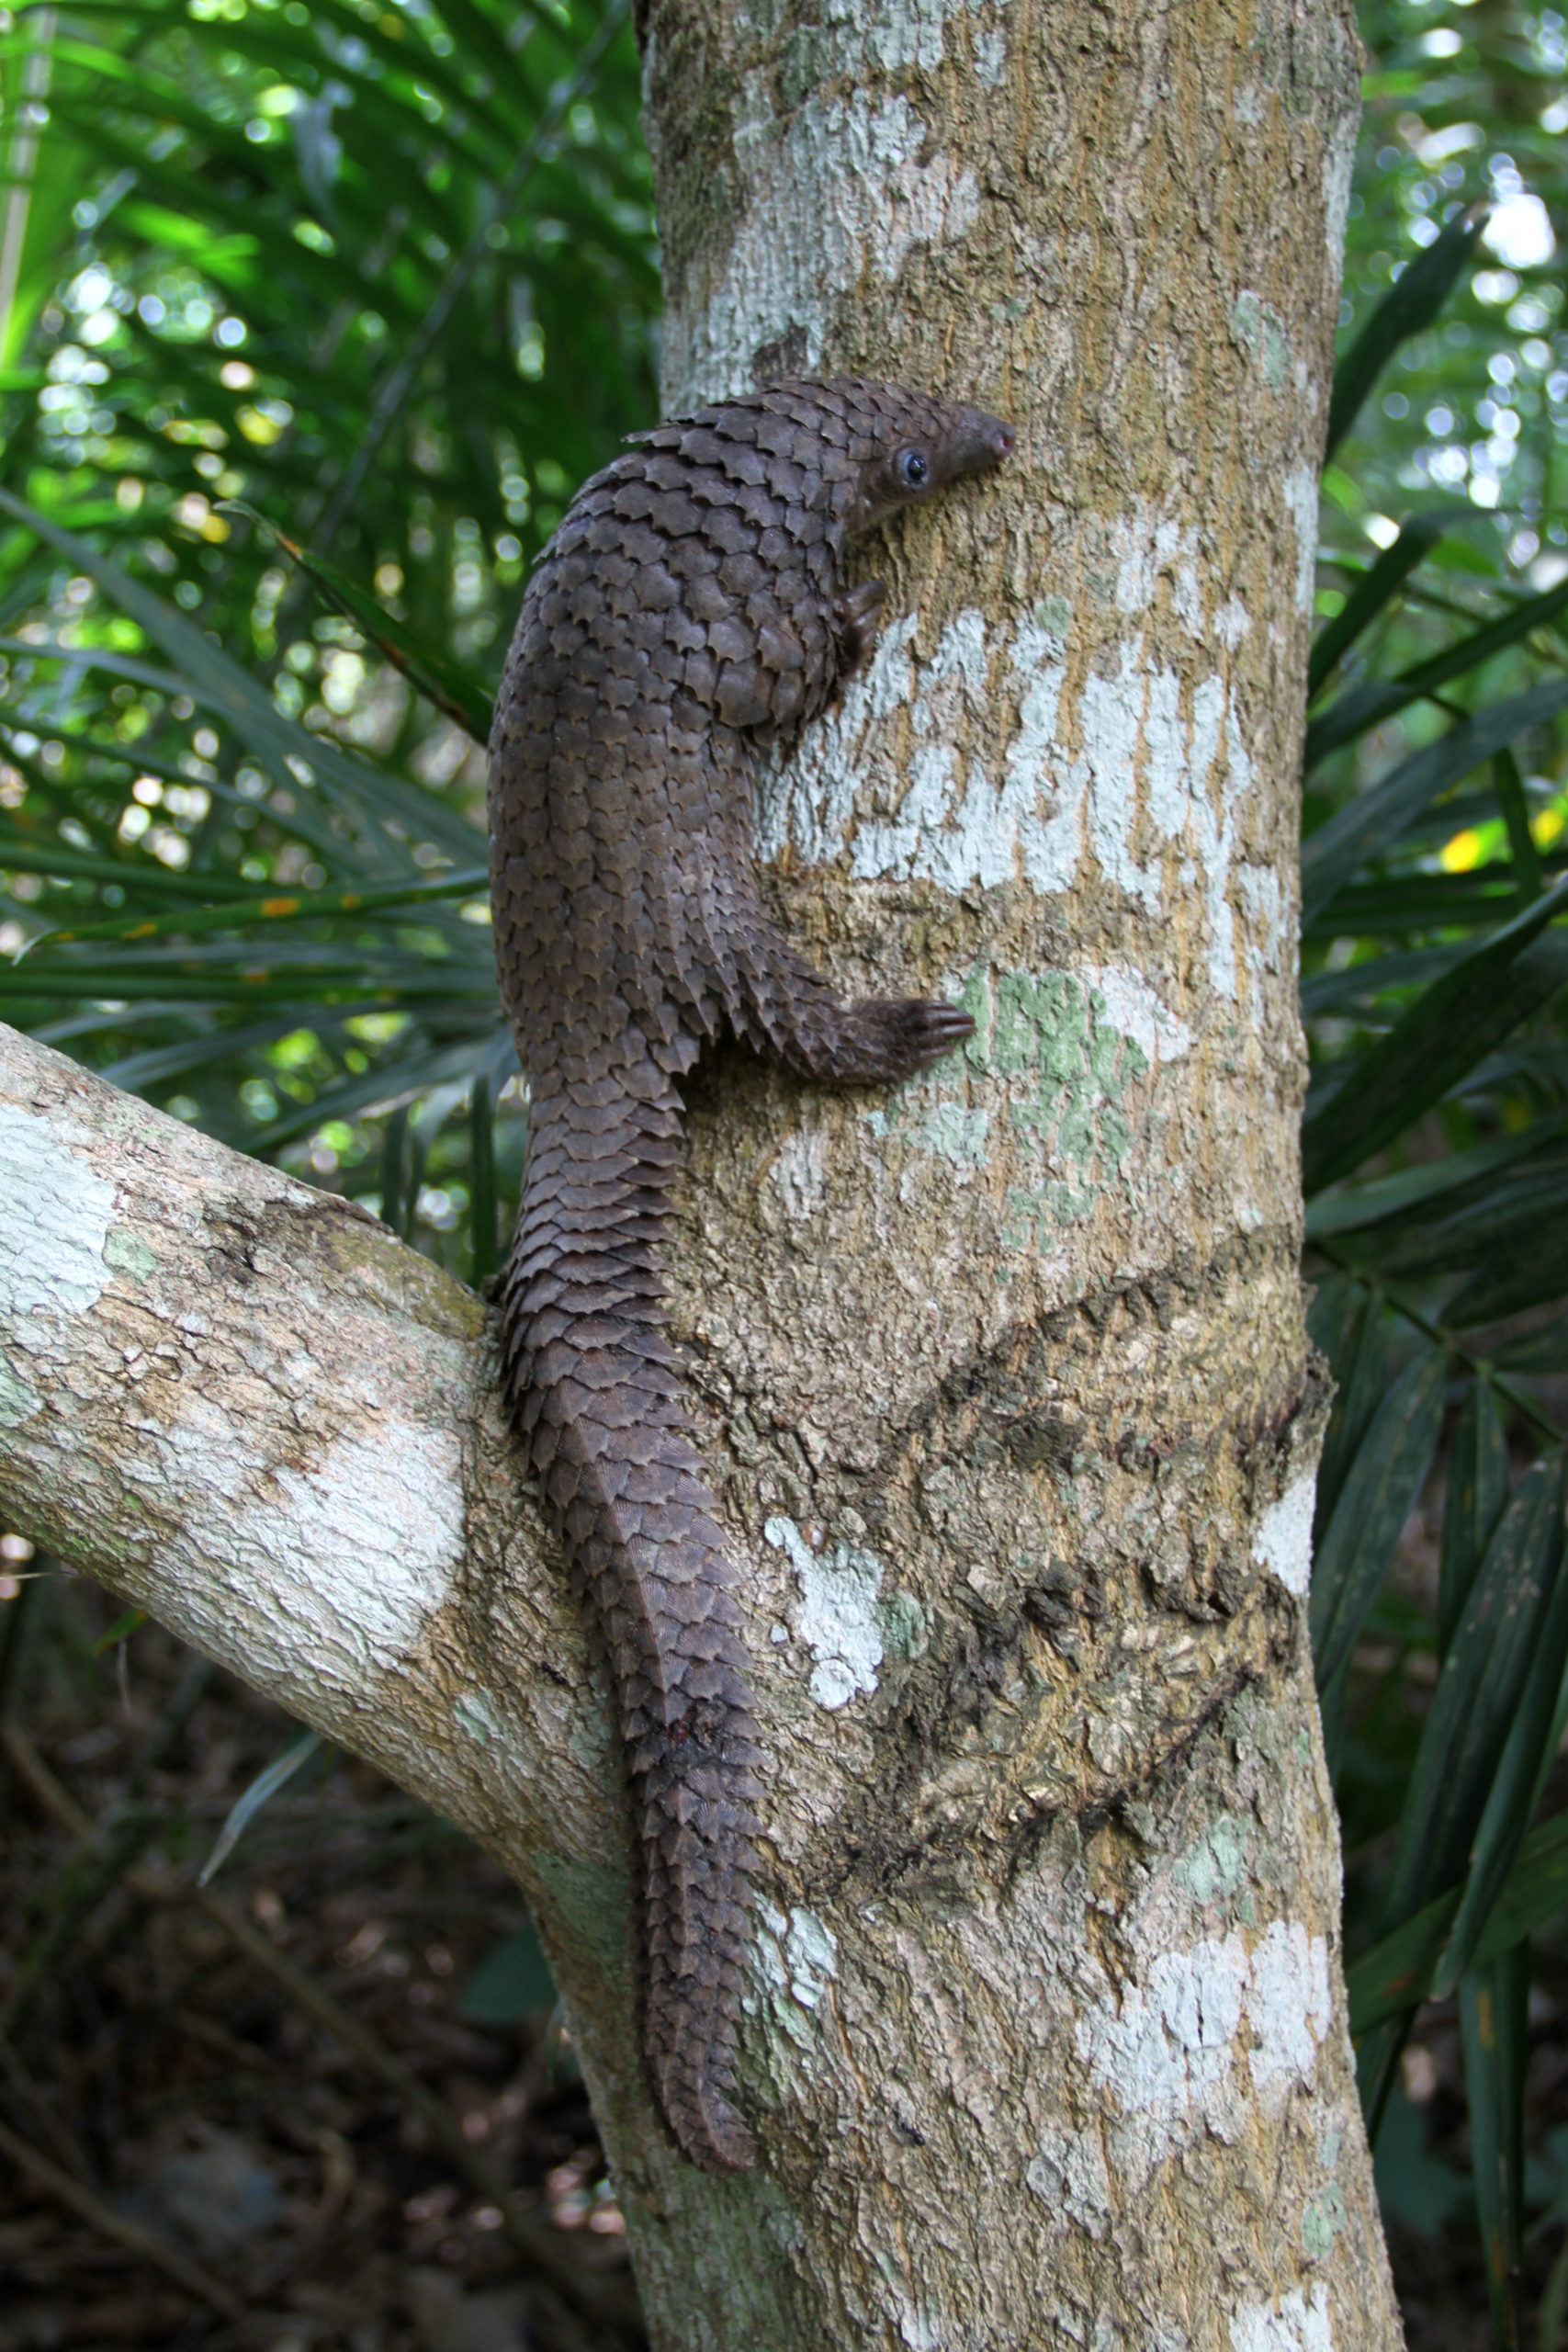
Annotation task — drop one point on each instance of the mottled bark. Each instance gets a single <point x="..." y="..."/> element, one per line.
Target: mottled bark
<point x="1007" y="1388"/>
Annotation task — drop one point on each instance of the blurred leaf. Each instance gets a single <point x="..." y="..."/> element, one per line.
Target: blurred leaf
<point x="278" y="1773"/>
<point x="1396" y="1976"/>
<point x="1494" y="2022"/>
<point x="512" y="1981"/>
<point x="1435" y="1045"/>
<point x="1374" y="820"/>
<point x="465" y="699"/>
<point x="1379" y="1490"/>
<point x="1362" y="707"/>
<point x="1374" y="591"/>
<point x="1412" y="303"/>
<point x="1476" y="1496"/>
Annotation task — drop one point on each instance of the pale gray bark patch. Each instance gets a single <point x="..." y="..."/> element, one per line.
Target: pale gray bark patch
<point x="1297" y="2322"/>
<point x="51" y="1241"/>
<point x="1282" y="1539"/>
<point x="1142" y="766"/>
<point x="797" y="1953"/>
<point x="838" y="1617"/>
<point x="1301" y="501"/>
<point x="358" y="1547"/>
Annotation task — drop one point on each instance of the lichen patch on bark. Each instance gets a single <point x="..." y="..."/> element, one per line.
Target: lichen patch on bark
<point x="53" y="1237"/>
<point x="1282" y="1538"/>
<point x="1297" y="2322"/>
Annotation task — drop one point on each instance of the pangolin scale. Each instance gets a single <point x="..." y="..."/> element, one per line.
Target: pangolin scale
<point x="692" y="599"/>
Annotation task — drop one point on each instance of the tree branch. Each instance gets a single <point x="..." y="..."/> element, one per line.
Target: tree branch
<point x="248" y="1407"/>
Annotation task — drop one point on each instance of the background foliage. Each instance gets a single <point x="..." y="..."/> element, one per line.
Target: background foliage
<point x="371" y="285"/>
<point x="386" y="277"/>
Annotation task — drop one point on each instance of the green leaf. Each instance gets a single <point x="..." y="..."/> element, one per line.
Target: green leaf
<point x="92" y="656"/>
<point x="1412" y="303"/>
<point x="303" y="990"/>
<point x="400" y="1167"/>
<point x="1510" y="785"/>
<point x="1399" y="904"/>
<point x="1376" y="588"/>
<point x="363" y="795"/>
<point x="1481" y="1684"/>
<point x="1360" y="1360"/>
<point x="1380" y="1491"/>
<point x="1523" y="1269"/>
<point x="1364" y="706"/>
<point x="279" y="906"/>
<point x="1477" y="1494"/>
<point x="387" y="1087"/>
<point x="278" y="1773"/>
<point x="1358" y="986"/>
<point x="1424" y="1187"/>
<point x="130" y="1621"/>
<point x="139" y="877"/>
<point x="482" y="1204"/>
<point x="512" y="1981"/>
<point x="1484" y="1223"/>
<point x="231" y="1043"/>
<point x="1414" y="2185"/>
<point x="1436" y="1043"/>
<point x="466" y="699"/>
<point x="1396" y="1976"/>
<point x="1374" y="820"/>
<point x="1543" y="1349"/>
<point x="1470" y="1735"/>
<point x="1494" y="2030"/>
<point x="1527" y="1752"/>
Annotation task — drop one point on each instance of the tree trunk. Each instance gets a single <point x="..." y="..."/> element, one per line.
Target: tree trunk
<point x="1008" y="1389"/>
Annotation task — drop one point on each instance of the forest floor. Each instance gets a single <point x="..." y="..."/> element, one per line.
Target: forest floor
<point x="265" y="2120"/>
<point x="325" y="2106"/>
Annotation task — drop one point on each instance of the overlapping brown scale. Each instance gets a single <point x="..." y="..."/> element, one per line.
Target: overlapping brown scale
<point x="691" y="596"/>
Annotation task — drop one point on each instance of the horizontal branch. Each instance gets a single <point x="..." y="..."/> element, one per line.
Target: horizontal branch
<point x="249" y="1407"/>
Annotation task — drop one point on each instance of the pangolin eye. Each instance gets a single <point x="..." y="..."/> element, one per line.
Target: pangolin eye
<point x="913" y="470"/>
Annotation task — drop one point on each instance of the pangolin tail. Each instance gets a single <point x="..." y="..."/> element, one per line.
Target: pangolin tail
<point x="595" y="1388"/>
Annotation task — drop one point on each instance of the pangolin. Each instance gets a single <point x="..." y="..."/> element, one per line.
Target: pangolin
<point x="692" y="601"/>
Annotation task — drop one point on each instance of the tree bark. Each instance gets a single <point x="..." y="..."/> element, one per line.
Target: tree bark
<point x="1009" y="1393"/>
